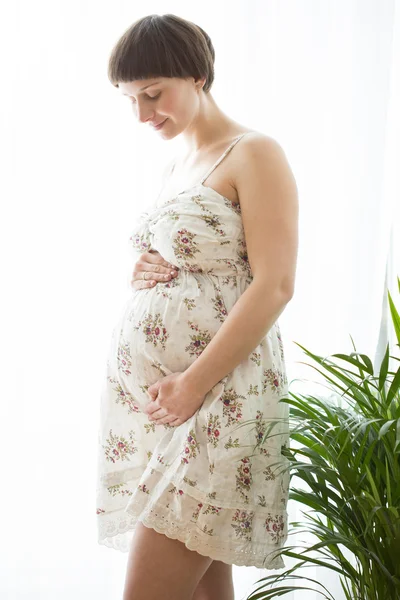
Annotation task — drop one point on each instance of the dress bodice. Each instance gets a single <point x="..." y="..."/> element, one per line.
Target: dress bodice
<point x="199" y="230"/>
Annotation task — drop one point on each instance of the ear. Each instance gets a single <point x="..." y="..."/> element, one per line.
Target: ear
<point x="199" y="83"/>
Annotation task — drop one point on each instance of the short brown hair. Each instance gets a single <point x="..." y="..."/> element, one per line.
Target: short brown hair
<point x="162" y="46"/>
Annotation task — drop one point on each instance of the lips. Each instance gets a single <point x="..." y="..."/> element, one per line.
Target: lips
<point x="159" y="125"/>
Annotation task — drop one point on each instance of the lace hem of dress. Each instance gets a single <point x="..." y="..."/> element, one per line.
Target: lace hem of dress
<point x="117" y="534"/>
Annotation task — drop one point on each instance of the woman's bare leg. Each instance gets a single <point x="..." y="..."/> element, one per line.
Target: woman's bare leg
<point x="159" y="567"/>
<point x="216" y="583"/>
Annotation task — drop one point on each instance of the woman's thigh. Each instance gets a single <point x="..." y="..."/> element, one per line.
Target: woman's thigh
<point x="159" y="567"/>
<point x="216" y="583"/>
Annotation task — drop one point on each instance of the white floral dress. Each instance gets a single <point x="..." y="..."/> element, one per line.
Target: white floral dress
<point x="208" y="482"/>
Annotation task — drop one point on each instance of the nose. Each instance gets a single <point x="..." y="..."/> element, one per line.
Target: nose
<point x="143" y="114"/>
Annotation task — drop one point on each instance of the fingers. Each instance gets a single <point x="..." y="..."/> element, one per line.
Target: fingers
<point x="157" y="262"/>
<point x="157" y="269"/>
<point x="152" y="277"/>
<point x="168" y="420"/>
<point x="158" y="413"/>
<point x="161" y="417"/>
<point x="141" y="284"/>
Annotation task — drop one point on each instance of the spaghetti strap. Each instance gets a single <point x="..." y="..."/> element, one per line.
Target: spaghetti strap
<point x="221" y="158"/>
<point x="215" y="165"/>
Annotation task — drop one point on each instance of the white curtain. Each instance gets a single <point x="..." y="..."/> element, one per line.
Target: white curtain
<point x="322" y="78"/>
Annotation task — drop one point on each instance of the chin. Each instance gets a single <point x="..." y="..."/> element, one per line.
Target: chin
<point x="169" y="133"/>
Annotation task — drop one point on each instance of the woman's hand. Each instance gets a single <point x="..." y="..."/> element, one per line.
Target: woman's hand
<point x="157" y="269"/>
<point x="173" y="400"/>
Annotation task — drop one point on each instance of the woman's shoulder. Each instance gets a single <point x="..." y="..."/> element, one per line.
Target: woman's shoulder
<point x="259" y="156"/>
<point x="253" y="147"/>
<point x="253" y="140"/>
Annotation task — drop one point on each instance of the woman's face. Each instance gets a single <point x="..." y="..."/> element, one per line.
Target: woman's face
<point x="172" y="100"/>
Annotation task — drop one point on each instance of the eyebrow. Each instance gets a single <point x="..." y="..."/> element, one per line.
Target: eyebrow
<point x="145" y="87"/>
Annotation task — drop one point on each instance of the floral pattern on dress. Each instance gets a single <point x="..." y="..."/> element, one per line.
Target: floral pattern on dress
<point x="153" y="329"/>
<point x="216" y="482"/>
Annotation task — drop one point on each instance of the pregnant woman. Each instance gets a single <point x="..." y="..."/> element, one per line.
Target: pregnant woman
<point x="189" y="482"/>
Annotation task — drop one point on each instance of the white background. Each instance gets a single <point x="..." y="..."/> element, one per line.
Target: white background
<point x="322" y="78"/>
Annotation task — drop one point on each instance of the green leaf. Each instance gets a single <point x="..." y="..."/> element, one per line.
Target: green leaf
<point x="344" y="454"/>
<point x="384" y="369"/>
<point x="386" y="428"/>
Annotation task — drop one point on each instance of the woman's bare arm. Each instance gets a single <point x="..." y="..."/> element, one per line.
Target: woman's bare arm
<point x="269" y="207"/>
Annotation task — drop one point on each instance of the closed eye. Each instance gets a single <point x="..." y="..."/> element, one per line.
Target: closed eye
<point x="149" y="97"/>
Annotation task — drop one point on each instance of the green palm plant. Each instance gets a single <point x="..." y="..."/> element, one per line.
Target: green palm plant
<point x="348" y="460"/>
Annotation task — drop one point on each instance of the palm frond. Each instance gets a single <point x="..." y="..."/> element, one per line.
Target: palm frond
<point x="345" y="453"/>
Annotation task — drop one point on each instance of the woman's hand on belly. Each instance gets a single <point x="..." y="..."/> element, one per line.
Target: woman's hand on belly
<point x="172" y="401"/>
<point x="152" y="266"/>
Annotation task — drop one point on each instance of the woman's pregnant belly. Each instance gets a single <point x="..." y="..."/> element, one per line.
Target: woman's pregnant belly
<point x="165" y="328"/>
